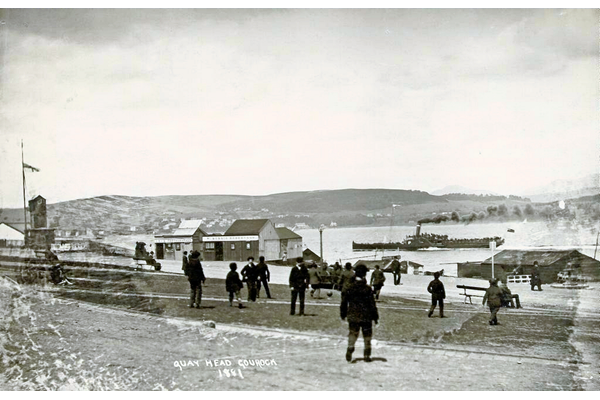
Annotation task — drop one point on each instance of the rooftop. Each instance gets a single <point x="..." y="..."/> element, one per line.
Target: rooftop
<point x="246" y="227"/>
<point x="527" y="257"/>
<point x="285" y="233"/>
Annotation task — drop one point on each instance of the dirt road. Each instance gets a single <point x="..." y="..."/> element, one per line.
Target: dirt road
<point x="68" y="344"/>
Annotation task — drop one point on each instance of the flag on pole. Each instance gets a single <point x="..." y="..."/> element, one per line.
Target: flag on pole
<point x="34" y="169"/>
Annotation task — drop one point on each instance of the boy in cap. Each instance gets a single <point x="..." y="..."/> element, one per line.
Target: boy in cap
<point x="195" y="275"/>
<point x="493" y="297"/>
<point x="438" y="294"/>
<point x="233" y="285"/>
<point x="358" y="305"/>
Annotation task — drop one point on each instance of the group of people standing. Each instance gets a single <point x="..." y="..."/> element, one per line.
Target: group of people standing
<point x="255" y="276"/>
<point x="358" y="302"/>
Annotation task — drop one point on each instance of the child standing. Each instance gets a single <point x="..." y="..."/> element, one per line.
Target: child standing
<point x="233" y="285"/>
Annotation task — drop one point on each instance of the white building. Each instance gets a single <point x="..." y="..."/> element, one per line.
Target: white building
<point x="12" y="235"/>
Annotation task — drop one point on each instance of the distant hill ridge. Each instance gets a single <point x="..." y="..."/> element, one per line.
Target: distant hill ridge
<point x="345" y="207"/>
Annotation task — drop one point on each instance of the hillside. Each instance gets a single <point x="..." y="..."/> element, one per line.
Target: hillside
<point x="349" y="207"/>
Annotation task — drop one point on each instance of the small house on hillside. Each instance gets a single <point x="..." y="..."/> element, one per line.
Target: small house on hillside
<point x="551" y="262"/>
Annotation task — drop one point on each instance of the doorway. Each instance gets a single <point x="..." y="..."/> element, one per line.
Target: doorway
<point x="160" y="251"/>
<point x="218" y="251"/>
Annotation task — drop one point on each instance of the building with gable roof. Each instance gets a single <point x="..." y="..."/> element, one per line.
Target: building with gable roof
<point x="186" y="237"/>
<point x="244" y="238"/>
<point x="290" y="244"/>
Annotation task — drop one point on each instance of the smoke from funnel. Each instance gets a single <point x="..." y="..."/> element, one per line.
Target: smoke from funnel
<point x="435" y="220"/>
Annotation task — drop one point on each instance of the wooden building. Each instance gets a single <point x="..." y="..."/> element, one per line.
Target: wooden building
<point x="12" y="235"/>
<point x="244" y="238"/>
<point x="290" y="244"/>
<point x="551" y="262"/>
<point x="187" y="237"/>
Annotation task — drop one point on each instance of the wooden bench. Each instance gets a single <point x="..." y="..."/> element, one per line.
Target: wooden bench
<point x="142" y="263"/>
<point x="469" y="295"/>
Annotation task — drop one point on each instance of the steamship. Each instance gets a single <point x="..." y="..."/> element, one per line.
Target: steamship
<point x="420" y="241"/>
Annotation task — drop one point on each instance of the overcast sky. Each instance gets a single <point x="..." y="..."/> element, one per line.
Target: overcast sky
<point x="155" y="102"/>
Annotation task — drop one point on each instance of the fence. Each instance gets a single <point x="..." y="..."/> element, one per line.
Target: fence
<point x="518" y="278"/>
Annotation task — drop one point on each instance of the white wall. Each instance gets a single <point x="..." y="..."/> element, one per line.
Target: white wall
<point x="8" y="233"/>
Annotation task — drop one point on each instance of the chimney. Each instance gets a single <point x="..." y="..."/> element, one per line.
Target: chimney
<point x="418" y="230"/>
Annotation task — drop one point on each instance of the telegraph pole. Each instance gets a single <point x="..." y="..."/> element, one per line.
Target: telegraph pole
<point x="24" y="197"/>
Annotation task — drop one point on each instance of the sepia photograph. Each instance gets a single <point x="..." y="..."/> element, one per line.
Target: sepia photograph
<point x="300" y="199"/>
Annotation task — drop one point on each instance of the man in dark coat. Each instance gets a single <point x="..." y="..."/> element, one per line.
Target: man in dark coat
<point x="250" y="276"/>
<point x="346" y="277"/>
<point x="264" y="276"/>
<point x="438" y="294"/>
<point x="493" y="297"/>
<point x="358" y="305"/>
<point x="195" y="275"/>
<point x="536" y="280"/>
<point x="298" y="283"/>
<point x="396" y="270"/>
<point x="233" y="285"/>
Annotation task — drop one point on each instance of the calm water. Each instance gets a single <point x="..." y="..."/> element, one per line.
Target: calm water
<point x="337" y="242"/>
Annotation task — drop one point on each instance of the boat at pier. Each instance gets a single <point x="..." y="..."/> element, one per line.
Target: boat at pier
<point x="420" y="241"/>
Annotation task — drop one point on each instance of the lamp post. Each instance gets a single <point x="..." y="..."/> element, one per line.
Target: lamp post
<point x="321" y="229"/>
<point x="493" y="247"/>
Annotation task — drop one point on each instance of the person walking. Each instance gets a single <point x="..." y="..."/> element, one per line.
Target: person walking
<point x="358" y="306"/>
<point x="536" y="279"/>
<point x="298" y="283"/>
<point x="250" y="276"/>
<point x="438" y="294"/>
<point x="346" y="277"/>
<point x="377" y="279"/>
<point x="314" y="280"/>
<point x="264" y="276"/>
<point x="184" y="261"/>
<point x="336" y="274"/>
<point x="396" y="270"/>
<point x="233" y="285"/>
<point x="196" y="277"/>
<point x="493" y="297"/>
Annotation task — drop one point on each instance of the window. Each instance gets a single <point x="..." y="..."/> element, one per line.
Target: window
<point x="232" y="246"/>
<point x="177" y="246"/>
<point x="209" y="246"/>
<point x="248" y="247"/>
<point x="169" y="246"/>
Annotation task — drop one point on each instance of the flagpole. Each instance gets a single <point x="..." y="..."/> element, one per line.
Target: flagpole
<point x="24" y="197"/>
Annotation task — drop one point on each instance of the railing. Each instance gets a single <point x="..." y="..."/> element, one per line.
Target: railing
<point x="518" y="278"/>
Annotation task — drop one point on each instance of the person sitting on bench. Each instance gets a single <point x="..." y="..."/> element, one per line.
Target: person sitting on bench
<point x="507" y="297"/>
